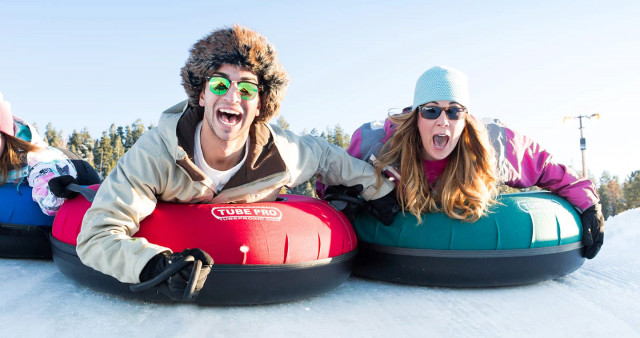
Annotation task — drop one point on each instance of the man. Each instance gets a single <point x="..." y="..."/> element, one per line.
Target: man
<point x="214" y="148"/>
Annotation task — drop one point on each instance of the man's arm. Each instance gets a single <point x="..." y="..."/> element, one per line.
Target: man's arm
<point x="333" y="165"/>
<point x="124" y="199"/>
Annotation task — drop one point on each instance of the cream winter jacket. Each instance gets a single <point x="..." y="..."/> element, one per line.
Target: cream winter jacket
<point x="160" y="167"/>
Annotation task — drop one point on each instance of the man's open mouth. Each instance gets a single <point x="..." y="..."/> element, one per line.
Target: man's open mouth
<point x="229" y="117"/>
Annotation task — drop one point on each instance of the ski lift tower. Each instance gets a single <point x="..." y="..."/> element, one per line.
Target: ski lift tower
<point x="583" y="141"/>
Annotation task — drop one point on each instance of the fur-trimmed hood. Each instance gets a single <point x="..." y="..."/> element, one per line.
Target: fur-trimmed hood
<point x="242" y="47"/>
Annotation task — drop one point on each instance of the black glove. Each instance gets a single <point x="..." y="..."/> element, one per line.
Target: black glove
<point x="346" y="199"/>
<point x="193" y="266"/>
<point x="58" y="186"/>
<point x="384" y="208"/>
<point x="592" y="230"/>
<point x="86" y="174"/>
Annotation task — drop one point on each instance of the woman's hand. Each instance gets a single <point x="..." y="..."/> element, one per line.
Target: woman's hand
<point x="592" y="230"/>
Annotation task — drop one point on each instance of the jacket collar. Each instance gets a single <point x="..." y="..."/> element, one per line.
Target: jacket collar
<point x="177" y="129"/>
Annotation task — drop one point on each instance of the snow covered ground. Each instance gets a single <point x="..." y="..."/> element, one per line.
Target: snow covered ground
<point x="601" y="298"/>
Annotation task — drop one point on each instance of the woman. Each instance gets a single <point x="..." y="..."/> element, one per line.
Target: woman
<point x="443" y="159"/>
<point x="24" y="156"/>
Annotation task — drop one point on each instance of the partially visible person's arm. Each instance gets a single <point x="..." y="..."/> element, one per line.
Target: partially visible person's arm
<point x="44" y="165"/>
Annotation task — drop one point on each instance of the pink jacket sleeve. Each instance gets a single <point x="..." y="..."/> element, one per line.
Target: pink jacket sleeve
<point x="525" y="163"/>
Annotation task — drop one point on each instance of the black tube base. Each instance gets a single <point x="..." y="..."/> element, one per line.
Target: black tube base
<point x="466" y="269"/>
<point x="20" y="241"/>
<point x="226" y="284"/>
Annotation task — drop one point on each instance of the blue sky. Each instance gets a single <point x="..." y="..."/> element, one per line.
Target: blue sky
<point x="78" y="64"/>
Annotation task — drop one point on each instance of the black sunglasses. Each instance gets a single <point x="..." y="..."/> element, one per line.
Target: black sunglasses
<point x="433" y="112"/>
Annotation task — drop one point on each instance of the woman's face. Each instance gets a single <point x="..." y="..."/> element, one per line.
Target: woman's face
<point x="439" y="136"/>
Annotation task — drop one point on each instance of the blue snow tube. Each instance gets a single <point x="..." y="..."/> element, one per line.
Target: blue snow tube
<point x="526" y="238"/>
<point x="24" y="229"/>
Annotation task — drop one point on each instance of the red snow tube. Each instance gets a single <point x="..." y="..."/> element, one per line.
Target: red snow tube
<point x="263" y="252"/>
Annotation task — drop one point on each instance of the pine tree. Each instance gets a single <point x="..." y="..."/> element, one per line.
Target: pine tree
<point x="340" y="138"/>
<point x="617" y="196"/>
<point x="103" y="155"/>
<point x="328" y="135"/>
<point x="605" y="199"/>
<point x="53" y="137"/>
<point x="118" y="149"/>
<point x="120" y="131"/>
<point x="631" y="190"/>
<point x="611" y="196"/>
<point x="132" y="133"/>
<point x="82" y="144"/>
<point x="113" y="134"/>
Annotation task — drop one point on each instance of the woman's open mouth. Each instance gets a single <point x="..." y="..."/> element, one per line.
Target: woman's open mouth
<point x="440" y="141"/>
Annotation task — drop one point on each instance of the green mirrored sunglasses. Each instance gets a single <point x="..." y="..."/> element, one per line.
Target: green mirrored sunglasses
<point x="220" y="85"/>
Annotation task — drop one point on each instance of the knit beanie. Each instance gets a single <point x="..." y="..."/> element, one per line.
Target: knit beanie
<point x="6" y="119"/>
<point x="242" y="47"/>
<point x="441" y="83"/>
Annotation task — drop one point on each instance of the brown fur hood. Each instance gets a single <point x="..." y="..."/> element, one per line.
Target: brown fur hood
<point x="242" y="47"/>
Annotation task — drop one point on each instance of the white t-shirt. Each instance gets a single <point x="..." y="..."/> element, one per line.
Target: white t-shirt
<point x="219" y="178"/>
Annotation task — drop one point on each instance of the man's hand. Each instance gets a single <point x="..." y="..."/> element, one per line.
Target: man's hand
<point x="346" y="199"/>
<point x="592" y="230"/>
<point x="184" y="284"/>
<point x="384" y="208"/>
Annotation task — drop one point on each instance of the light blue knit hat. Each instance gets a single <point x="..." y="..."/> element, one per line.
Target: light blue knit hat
<point x="441" y="83"/>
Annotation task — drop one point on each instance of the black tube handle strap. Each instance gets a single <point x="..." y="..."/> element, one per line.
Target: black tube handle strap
<point x="89" y="194"/>
<point x="341" y="201"/>
<point x="164" y="275"/>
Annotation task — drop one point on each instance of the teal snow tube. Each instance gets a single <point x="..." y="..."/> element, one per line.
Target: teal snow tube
<point x="526" y="238"/>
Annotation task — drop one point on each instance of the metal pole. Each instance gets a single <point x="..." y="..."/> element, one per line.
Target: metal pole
<point x="583" y="148"/>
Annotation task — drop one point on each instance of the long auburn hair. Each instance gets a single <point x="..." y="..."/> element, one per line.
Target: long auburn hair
<point x="466" y="188"/>
<point x="14" y="154"/>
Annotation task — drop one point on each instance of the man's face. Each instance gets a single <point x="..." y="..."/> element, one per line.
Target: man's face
<point x="228" y="116"/>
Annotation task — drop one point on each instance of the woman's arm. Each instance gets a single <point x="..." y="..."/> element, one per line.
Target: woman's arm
<point x="44" y="165"/>
<point x="526" y="164"/>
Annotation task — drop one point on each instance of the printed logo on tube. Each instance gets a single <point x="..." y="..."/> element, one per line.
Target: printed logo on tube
<point x="255" y="213"/>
